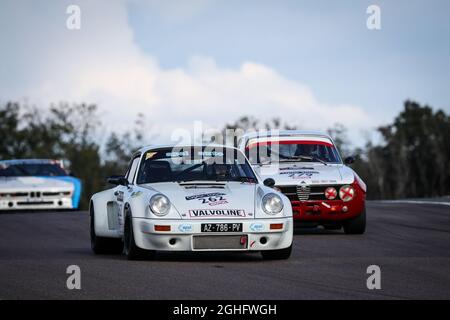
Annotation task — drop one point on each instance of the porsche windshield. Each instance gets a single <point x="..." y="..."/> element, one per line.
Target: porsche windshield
<point x="31" y="169"/>
<point x="292" y="151"/>
<point x="194" y="164"/>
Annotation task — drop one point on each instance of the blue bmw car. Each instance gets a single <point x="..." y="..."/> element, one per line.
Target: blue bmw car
<point x="33" y="184"/>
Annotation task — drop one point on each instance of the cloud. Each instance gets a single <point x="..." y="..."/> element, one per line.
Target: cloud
<point x="101" y="63"/>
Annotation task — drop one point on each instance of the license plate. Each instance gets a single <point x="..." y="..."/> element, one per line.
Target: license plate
<point x="221" y="227"/>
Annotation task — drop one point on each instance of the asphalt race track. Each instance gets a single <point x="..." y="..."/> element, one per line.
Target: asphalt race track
<point x="410" y="243"/>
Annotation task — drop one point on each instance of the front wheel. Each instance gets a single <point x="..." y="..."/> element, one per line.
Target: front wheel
<point x="356" y="225"/>
<point x="280" y="254"/>
<point x="131" y="250"/>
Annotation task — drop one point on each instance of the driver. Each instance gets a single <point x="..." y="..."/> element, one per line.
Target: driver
<point x="304" y="150"/>
<point x="221" y="171"/>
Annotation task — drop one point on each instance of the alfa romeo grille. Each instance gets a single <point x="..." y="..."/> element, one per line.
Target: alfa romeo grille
<point x="303" y="192"/>
<point x="307" y="193"/>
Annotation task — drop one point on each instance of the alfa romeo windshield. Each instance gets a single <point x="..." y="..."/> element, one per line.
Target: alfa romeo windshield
<point x="194" y="164"/>
<point x="287" y="151"/>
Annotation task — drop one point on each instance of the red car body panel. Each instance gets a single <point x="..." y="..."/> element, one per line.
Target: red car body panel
<point x="330" y="210"/>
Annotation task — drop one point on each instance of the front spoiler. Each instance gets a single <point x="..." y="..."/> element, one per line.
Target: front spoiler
<point x="326" y="210"/>
<point x="42" y="204"/>
<point x="182" y="232"/>
<point x="329" y="210"/>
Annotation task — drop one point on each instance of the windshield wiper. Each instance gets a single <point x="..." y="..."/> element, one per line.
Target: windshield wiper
<point x="263" y="163"/>
<point x="296" y="158"/>
<point x="246" y="179"/>
<point x="240" y="179"/>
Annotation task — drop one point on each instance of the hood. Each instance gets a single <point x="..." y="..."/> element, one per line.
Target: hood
<point x="306" y="173"/>
<point x="14" y="184"/>
<point x="203" y="200"/>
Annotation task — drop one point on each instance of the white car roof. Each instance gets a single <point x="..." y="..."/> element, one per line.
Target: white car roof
<point x="28" y="161"/>
<point x="285" y="133"/>
<point x="160" y="146"/>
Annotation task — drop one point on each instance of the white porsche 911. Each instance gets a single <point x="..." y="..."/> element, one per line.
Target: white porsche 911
<point x="191" y="198"/>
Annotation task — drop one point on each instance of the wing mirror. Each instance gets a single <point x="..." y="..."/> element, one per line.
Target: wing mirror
<point x="118" y="181"/>
<point x="349" y="160"/>
<point x="269" y="182"/>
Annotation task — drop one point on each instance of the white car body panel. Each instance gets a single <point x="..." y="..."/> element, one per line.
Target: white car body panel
<point x="287" y="174"/>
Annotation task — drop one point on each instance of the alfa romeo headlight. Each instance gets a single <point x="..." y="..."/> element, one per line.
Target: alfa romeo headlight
<point x="159" y="204"/>
<point x="272" y="203"/>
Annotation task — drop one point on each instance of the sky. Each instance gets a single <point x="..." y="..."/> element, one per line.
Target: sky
<point x="310" y="63"/>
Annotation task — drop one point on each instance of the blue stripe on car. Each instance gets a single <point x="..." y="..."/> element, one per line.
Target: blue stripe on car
<point x="76" y="188"/>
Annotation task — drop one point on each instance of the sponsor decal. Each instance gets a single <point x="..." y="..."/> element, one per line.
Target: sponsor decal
<point x="257" y="227"/>
<point x="326" y="205"/>
<point x="200" y="213"/>
<point x="149" y="155"/>
<point x="295" y="168"/>
<point x="212" y="199"/>
<point x="120" y="196"/>
<point x="177" y="154"/>
<point x="300" y="174"/>
<point x="210" y="153"/>
<point x="185" y="228"/>
<point x="136" y="194"/>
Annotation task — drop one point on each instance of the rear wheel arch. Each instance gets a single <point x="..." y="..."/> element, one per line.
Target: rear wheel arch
<point x="102" y="245"/>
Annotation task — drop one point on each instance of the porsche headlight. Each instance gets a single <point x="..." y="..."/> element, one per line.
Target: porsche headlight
<point x="272" y="203"/>
<point x="159" y="204"/>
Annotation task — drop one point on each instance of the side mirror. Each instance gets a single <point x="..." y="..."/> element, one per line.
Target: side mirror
<point x="269" y="182"/>
<point x="349" y="160"/>
<point x="118" y="181"/>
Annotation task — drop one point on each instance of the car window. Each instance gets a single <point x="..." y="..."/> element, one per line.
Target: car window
<point x="194" y="164"/>
<point x="291" y="150"/>
<point x="131" y="173"/>
<point x="31" y="169"/>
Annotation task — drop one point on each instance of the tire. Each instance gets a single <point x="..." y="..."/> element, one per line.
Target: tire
<point x="356" y="225"/>
<point x="101" y="245"/>
<point x="281" y="254"/>
<point x="131" y="250"/>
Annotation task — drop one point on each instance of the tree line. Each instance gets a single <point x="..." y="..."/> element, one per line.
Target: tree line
<point x="68" y="132"/>
<point x="410" y="161"/>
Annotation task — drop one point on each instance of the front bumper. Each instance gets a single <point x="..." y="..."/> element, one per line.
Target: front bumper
<point x="323" y="211"/>
<point x="8" y="204"/>
<point x="182" y="233"/>
<point x="316" y="211"/>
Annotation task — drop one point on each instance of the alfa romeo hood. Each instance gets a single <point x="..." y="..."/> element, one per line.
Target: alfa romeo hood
<point x="33" y="183"/>
<point x="306" y="173"/>
<point x="202" y="200"/>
